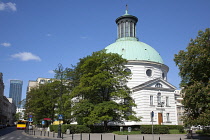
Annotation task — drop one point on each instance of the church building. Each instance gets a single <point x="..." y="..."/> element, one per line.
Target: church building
<point x="148" y="82"/>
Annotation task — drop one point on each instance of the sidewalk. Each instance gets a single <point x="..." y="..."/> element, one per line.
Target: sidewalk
<point x="110" y="136"/>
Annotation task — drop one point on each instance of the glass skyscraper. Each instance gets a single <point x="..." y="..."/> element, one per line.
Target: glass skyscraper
<point x="15" y="91"/>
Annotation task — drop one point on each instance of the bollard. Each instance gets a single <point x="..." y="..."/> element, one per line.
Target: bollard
<point x="48" y="133"/>
<point x="127" y="137"/>
<point x="44" y="133"/>
<point x="53" y="134"/>
<point x="101" y="136"/>
<point x="62" y="135"/>
<point x="159" y="138"/>
<point x="72" y="136"/>
<point x="41" y="133"/>
<point x="180" y="138"/>
<point x="34" y="132"/>
<point x="81" y="136"/>
<point x="143" y="137"/>
<point x="89" y="136"/>
<point x="114" y="137"/>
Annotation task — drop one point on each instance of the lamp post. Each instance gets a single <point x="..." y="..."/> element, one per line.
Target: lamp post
<point x="59" y="75"/>
<point x="162" y="105"/>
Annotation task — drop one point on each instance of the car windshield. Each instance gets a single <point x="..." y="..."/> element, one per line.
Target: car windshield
<point x="21" y="123"/>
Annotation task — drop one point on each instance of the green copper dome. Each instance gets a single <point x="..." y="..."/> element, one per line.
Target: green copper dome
<point x="128" y="45"/>
<point x="132" y="49"/>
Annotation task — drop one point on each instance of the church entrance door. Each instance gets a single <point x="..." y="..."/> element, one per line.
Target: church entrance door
<point x="160" y="118"/>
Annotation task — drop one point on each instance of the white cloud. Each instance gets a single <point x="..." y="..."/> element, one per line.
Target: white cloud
<point x="51" y="72"/>
<point x="48" y="34"/>
<point x="8" y="6"/>
<point x="6" y="44"/>
<point x="26" y="56"/>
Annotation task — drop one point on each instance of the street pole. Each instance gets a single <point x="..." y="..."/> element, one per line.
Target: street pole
<point x="60" y="72"/>
<point x="152" y="115"/>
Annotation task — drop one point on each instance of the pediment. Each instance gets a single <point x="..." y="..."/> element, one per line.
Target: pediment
<point x="155" y="84"/>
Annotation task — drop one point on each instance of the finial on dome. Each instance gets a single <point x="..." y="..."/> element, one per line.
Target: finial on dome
<point x="126" y="11"/>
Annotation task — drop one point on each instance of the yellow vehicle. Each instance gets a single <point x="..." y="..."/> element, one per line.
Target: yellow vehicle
<point x="21" y="124"/>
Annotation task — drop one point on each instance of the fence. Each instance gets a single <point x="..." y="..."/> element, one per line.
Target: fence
<point x="98" y="136"/>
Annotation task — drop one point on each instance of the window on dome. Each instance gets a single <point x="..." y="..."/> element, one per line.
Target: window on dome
<point x="149" y="72"/>
<point x="131" y="29"/>
<point x="127" y="70"/>
<point x="163" y="75"/>
<point x="121" y="30"/>
<point x="126" y="29"/>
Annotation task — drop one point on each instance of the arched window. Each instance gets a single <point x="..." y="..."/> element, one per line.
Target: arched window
<point x="158" y="85"/>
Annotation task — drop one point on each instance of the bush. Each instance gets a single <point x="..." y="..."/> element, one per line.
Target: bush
<point x="157" y="129"/>
<point x="73" y="128"/>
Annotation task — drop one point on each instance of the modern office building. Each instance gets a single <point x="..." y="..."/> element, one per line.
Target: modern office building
<point x="15" y="91"/>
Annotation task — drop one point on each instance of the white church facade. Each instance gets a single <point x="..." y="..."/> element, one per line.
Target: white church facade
<point x="148" y="81"/>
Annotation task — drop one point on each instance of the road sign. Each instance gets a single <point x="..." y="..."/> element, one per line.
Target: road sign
<point x="152" y="114"/>
<point x="30" y="116"/>
<point x="30" y="119"/>
<point x="60" y="117"/>
<point x="43" y="122"/>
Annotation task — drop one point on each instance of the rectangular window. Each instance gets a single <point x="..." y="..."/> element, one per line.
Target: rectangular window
<point x="159" y="99"/>
<point x="167" y="117"/>
<point x="167" y="101"/>
<point x="151" y="100"/>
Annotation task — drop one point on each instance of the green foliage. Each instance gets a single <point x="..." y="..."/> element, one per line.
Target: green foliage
<point x="73" y="128"/>
<point x="157" y="129"/>
<point x="42" y="100"/>
<point x="175" y="131"/>
<point x="180" y="128"/>
<point x="195" y="73"/>
<point x="17" y="116"/>
<point x="100" y="91"/>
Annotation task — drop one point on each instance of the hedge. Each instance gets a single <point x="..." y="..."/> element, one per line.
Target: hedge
<point x="72" y="127"/>
<point x="157" y="129"/>
<point x="160" y="129"/>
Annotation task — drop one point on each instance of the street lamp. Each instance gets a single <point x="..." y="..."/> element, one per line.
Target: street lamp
<point x="59" y="75"/>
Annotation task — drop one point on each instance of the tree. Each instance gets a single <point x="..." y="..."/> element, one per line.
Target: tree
<point x="18" y="116"/>
<point x="194" y="66"/>
<point x="101" y="94"/>
<point x="65" y="77"/>
<point x="46" y="100"/>
<point x="42" y="100"/>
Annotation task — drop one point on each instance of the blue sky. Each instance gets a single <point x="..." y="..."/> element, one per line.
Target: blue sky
<point x="37" y="35"/>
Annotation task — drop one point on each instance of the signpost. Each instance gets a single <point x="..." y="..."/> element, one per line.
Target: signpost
<point x="30" y="120"/>
<point x="60" y="117"/>
<point x="152" y="116"/>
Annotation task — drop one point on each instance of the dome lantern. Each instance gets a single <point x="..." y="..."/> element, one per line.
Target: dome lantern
<point x="126" y="25"/>
<point x="127" y="44"/>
